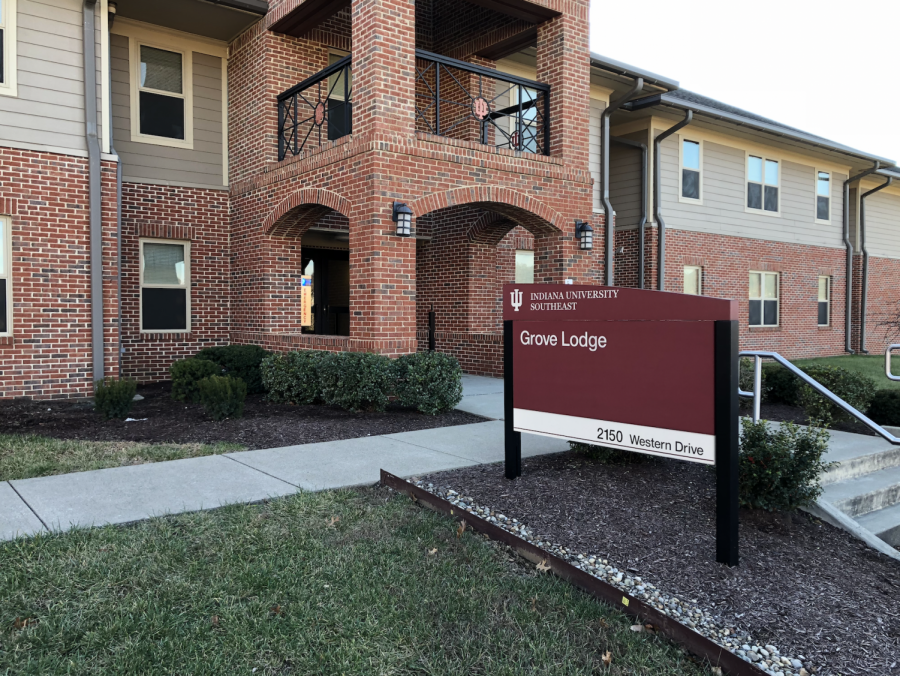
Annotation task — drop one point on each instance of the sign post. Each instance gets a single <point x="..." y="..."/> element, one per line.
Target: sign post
<point x="643" y="371"/>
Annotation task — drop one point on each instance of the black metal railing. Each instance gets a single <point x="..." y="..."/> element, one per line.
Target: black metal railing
<point x="318" y="109"/>
<point x="468" y="102"/>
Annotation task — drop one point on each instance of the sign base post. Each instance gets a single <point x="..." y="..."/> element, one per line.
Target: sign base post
<point x="512" y="439"/>
<point x="727" y="432"/>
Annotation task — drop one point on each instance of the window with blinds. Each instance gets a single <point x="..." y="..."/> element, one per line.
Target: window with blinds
<point x="165" y="286"/>
<point x="161" y="96"/>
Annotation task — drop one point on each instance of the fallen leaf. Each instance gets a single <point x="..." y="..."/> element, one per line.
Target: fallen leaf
<point x="23" y="623"/>
<point x="649" y="627"/>
<point x="334" y="520"/>
<point x="432" y="552"/>
<point x="533" y="601"/>
<point x="607" y="658"/>
<point x="604" y="623"/>
<point x="461" y="529"/>
<point x="276" y="610"/>
<point x="543" y="566"/>
<point x="215" y="620"/>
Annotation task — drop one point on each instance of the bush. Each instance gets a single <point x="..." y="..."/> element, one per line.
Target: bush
<point x="186" y="376"/>
<point x="293" y="377"/>
<point x="429" y="381"/>
<point x="223" y="396"/>
<point x="114" y="398"/>
<point x="779" y="385"/>
<point x="854" y="388"/>
<point x="610" y="456"/>
<point x="780" y="468"/>
<point x="885" y="407"/>
<point x="240" y="361"/>
<point x="356" y="381"/>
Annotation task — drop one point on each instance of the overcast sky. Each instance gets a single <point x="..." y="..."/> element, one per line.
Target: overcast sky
<point x="830" y="68"/>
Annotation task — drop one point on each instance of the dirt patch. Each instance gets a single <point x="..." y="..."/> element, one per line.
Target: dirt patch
<point x="264" y="425"/>
<point x="808" y="588"/>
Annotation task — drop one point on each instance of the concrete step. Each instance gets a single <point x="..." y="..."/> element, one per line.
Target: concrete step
<point x="858" y="455"/>
<point x="867" y="493"/>
<point x="885" y="523"/>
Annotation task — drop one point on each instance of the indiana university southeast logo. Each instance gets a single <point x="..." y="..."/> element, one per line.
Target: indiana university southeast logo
<point x="516" y="299"/>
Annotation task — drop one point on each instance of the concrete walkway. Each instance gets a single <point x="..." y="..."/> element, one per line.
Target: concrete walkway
<point x="124" y="494"/>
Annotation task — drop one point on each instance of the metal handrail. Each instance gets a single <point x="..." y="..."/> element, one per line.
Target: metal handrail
<point x="816" y="385"/>
<point x="887" y="362"/>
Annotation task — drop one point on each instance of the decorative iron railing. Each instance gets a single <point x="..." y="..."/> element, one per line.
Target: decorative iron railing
<point x="318" y="109"/>
<point x="468" y="102"/>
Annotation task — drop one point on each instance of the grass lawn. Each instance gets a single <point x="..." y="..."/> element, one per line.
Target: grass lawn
<point x="26" y="456"/>
<point x="349" y="582"/>
<point x="869" y="365"/>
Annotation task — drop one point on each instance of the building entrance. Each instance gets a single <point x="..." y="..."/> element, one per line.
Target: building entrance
<point x="330" y="272"/>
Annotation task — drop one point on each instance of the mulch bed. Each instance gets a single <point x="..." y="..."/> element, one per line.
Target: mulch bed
<point x="795" y="414"/>
<point x="808" y="588"/>
<point x="264" y="425"/>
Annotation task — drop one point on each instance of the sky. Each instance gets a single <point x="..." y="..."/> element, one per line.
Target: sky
<point x="829" y="68"/>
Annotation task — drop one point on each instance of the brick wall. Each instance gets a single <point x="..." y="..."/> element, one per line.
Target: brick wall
<point x="883" y="306"/>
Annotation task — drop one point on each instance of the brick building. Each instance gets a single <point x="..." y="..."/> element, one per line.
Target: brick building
<point x="230" y="148"/>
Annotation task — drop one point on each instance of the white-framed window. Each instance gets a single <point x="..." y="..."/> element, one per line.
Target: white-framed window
<point x="524" y="266"/>
<point x="165" y="286"/>
<point x="693" y="280"/>
<point x="823" y="196"/>
<point x="763" y="184"/>
<point x="8" y="72"/>
<point x="824" y="300"/>
<point x="162" y="109"/>
<point x="765" y="288"/>
<point x="691" y="178"/>
<point x="5" y="277"/>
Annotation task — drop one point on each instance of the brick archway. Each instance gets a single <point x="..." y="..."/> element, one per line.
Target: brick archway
<point x="296" y="213"/>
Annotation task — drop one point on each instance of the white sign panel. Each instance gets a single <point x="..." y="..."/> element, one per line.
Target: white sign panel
<point x="650" y="440"/>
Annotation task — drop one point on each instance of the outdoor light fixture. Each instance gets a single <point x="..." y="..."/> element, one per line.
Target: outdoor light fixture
<point x="403" y="218"/>
<point x="585" y="234"/>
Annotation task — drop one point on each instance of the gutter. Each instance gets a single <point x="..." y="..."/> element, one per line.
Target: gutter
<point x="642" y="224"/>
<point x="865" y="251"/>
<point x="259" y="7"/>
<point x="848" y="291"/>
<point x="632" y="72"/>
<point x="657" y="196"/>
<point x="112" y="149"/>
<point x="609" y="226"/>
<point x="94" y="189"/>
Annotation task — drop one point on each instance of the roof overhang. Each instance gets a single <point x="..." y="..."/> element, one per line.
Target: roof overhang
<point x="308" y="15"/>
<point x="216" y="19"/>
<point x="632" y="72"/>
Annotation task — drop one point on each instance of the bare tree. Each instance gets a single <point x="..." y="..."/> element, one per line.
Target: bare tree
<point x="890" y="323"/>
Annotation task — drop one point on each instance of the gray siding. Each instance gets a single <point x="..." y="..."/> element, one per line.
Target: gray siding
<point x="596" y="111"/>
<point x="149" y="163"/>
<point x="724" y="199"/>
<point x="883" y="225"/>
<point x="625" y="181"/>
<point x="49" y="108"/>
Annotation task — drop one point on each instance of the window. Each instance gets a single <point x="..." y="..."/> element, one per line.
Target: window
<point x="824" y="301"/>
<point x="823" y="196"/>
<point x="8" y="47"/>
<point x="693" y="280"/>
<point x="165" y="284"/>
<point x="161" y="95"/>
<point x="762" y="184"/>
<point x="5" y="275"/>
<point x="690" y="169"/>
<point x="764" y="288"/>
<point x="340" y="114"/>
<point x="524" y="267"/>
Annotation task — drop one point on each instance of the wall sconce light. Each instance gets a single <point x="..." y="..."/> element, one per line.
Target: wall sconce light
<point x="402" y="216"/>
<point x="585" y="234"/>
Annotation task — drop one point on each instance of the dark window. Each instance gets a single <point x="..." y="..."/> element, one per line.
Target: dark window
<point x="771" y="198"/>
<point x="690" y="169"/>
<point x="2" y="71"/>
<point x="755" y="312"/>
<point x="764" y="292"/>
<point x="690" y="184"/>
<point x="162" y="107"/>
<point x="4" y="319"/>
<point x="823" y="195"/>
<point x="164" y="286"/>
<point x="823" y="313"/>
<point x="770" y="312"/>
<point x="340" y="119"/>
<point x="754" y="195"/>
<point x="162" y="116"/>
<point x="824" y="300"/>
<point x="762" y="183"/>
<point x="164" y="309"/>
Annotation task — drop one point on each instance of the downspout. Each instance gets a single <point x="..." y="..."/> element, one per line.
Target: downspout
<point x="865" y="251"/>
<point x="848" y="285"/>
<point x="642" y="224"/>
<point x="657" y="209"/>
<point x="604" y="176"/>
<point x="112" y="149"/>
<point x="94" y="195"/>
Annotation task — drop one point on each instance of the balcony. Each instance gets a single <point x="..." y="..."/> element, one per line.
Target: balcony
<point x="452" y="98"/>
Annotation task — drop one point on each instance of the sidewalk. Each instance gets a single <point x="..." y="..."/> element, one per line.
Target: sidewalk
<point x="124" y="494"/>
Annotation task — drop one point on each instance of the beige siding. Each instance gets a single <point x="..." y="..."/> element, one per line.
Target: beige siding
<point x="49" y="109"/>
<point x="883" y="225"/>
<point x="597" y="108"/>
<point x="149" y="163"/>
<point x="625" y="181"/>
<point x="724" y="199"/>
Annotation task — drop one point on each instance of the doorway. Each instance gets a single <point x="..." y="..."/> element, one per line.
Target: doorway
<point x="326" y="259"/>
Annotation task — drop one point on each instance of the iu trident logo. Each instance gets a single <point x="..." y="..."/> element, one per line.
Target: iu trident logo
<point x="516" y="299"/>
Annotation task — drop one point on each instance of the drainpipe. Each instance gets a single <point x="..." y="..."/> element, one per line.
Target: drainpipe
<point x="865" y="251"/>
<point x="848" y="292"/>
<point x="112" y="9"/>
<point x="94" y="195"/>
<point x="642" y="224"/>
<point x="604" y="174"/>
<point x="657" y="209"/>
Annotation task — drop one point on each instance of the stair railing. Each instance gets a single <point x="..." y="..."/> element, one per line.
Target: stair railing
<point x="756" y="394"/>
<point x="887" y="362"/>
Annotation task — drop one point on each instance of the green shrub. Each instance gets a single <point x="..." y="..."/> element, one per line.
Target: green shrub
<point x="223" y="396"/>
<point x="356" y="381"/>
<point x="854" y="388"/>
<point x="114" y="398"/>
<point x="240" y="361"/>
<point x="779" y="385"/>
<point x="885" y="407"/>
<point x="186" y="376"/>
<point x="429" y="381"/>
<point x="293" y="377"/>
<point x="780" y="467"/>
<point x="610" y="456"/>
